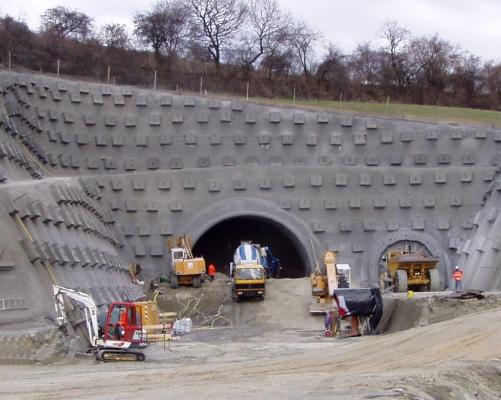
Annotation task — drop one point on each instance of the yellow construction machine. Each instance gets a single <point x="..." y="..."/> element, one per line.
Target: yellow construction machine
<point x="407" y="270"/>
<point x="248" y="278"/>
<point x="185" y="268"/>
<point x="325" y="279"/>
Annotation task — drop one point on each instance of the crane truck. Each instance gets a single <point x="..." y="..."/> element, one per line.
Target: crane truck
<point x="185" y="268"/>
<point x="247" y="272"/>
<point x="121" y="338"/>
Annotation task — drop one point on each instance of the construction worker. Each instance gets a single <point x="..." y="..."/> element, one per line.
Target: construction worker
<point x="458" y="277"/>
<point x="211" y="272"/>
<point x="354" y="327"/>
<point x="122" y="322"/>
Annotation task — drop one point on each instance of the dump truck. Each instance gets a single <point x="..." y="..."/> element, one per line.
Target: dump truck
<point x="407" y="270"/>
<point x="247" y="273"/>
<point x="185" y="268"/>
<point x="325" y="279"/>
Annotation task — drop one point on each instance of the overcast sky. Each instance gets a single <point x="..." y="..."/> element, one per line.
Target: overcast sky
<point x="474" y="25"/>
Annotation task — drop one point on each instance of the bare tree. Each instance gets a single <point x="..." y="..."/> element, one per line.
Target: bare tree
<point x="267" y="24"/>
<point x="332" y="72"/>
<point x="178" y="28"/>
<point x="466" y="81"/>
<point x="64" y="23"/>
<point x="278" y="63"/>
<point x="148" y="28"/>
<point x="218" y="23"/>
<point x="492" y="84"/>
<point x="365" y="67"/>
<point x="331" y="60"/>
<point x="435" y="61"/>
<point x="165" y="27"/>
<point x="303" y="40"/>
<point x="114" y="35"/>
<point x="115" y="39"/>
<point x="398" y="68"/>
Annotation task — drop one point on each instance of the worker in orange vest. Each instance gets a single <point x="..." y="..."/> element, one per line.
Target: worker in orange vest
<point x="458" y="278"/>
<point x="121" y="324"/>
<point x="211" y="272"/>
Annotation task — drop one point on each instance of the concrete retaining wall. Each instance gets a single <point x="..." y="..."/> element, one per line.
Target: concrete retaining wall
<point x="95" y="177"/>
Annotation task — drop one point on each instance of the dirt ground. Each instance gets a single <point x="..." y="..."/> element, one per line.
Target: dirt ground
<point x="431" y="347"/>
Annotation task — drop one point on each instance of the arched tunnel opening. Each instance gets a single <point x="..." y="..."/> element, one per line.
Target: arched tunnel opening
<point x="218" y="244"/>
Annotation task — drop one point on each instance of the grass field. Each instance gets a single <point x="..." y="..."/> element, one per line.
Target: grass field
<point x="391" y="110"/>
<point x="400" y="111"/>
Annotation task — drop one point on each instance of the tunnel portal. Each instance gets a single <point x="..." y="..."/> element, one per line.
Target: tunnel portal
<point x="218" y="244"/>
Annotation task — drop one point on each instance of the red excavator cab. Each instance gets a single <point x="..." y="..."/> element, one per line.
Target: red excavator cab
<point x="124" y="324"/>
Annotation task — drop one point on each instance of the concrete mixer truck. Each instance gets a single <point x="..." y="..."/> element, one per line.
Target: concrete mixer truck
<point x="247" y="273"/>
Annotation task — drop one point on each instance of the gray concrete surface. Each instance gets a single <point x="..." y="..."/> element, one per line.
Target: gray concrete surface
<point x="94" y="177"/>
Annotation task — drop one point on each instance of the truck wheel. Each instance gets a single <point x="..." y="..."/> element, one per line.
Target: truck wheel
<point x="197" y="281"/>
<point x="174" y="282"/>
<point x="401" y="281"/>
<point x="434" y="276"/>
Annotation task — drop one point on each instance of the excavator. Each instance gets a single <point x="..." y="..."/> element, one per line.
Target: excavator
<point x="121" y="338"/>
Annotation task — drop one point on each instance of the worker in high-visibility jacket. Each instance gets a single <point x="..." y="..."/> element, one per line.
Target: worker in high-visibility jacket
<point x="458" y="278"/>
<point x="211" y="272"/>
<point x="121" y="324"/>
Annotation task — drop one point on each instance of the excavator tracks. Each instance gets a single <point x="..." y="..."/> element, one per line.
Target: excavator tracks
<point x="119" y="355"/>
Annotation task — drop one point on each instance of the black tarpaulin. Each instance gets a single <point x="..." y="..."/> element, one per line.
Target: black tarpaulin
<point x="360" y="303"/>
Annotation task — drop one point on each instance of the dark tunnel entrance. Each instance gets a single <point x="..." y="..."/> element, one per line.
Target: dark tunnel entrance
<point x="218" y="244"/>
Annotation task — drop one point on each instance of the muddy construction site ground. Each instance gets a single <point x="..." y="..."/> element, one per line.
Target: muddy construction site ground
<point x="432" y="346"/>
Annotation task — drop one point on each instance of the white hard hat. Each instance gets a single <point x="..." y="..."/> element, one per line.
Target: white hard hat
<point x="457" y="267"/>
